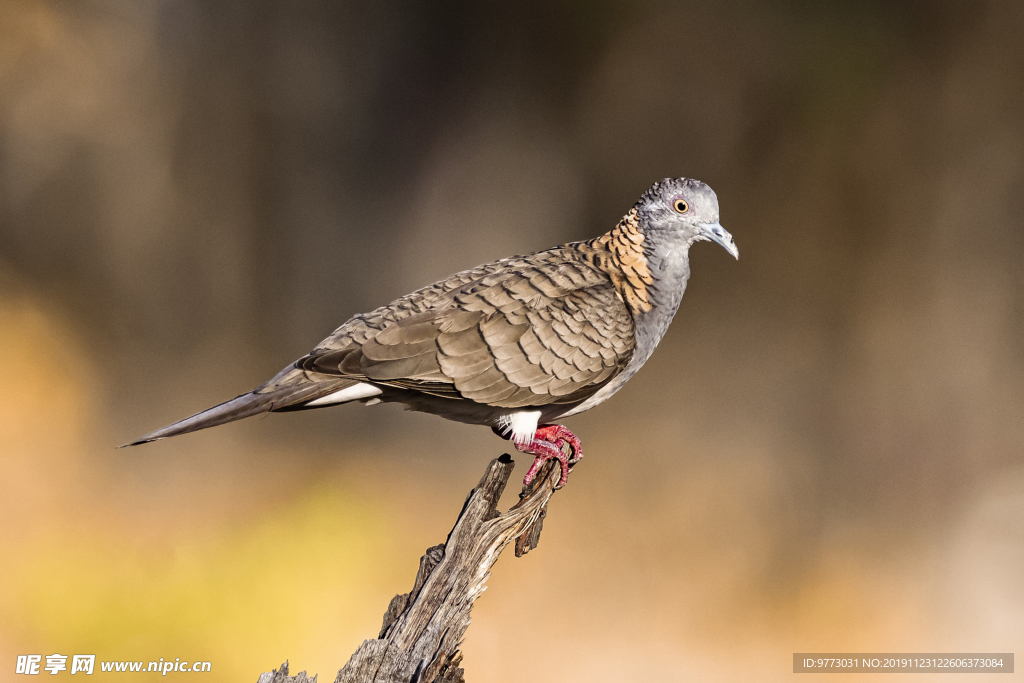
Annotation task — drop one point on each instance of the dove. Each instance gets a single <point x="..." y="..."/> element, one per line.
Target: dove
<point x="518" y="344"/>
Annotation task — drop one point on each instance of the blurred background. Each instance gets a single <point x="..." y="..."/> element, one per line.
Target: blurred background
<point x="825" y="454"/>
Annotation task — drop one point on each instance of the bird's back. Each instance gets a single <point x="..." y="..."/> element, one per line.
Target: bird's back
<point x="526" y="330"/>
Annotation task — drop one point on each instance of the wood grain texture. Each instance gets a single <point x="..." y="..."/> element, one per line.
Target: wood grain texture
<point x="281" y="676"/>
<point x="422" y="629"/>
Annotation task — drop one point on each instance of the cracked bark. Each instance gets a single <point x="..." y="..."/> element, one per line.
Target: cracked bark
<point x="422" y="630"/>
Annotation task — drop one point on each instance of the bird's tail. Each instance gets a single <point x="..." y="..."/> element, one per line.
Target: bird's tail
<point x="253" y="403"/>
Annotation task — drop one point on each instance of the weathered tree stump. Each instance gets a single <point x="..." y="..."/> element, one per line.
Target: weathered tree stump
<point x="419" y="641"/>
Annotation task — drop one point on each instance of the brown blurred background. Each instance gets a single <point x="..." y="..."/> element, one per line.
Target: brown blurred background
<point x="826" y="453"/>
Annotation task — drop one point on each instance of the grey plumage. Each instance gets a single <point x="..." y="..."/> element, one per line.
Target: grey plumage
<point x="546" y="335"/>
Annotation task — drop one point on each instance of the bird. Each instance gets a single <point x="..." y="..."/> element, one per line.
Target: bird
<point x="518" y="344"/>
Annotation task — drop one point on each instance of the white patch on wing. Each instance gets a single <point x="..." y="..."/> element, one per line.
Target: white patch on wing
<point x="522" y="424"/>
<point x="352" y="393"/>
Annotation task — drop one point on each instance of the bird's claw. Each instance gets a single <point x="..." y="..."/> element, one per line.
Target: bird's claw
<point x="547" y="445"/>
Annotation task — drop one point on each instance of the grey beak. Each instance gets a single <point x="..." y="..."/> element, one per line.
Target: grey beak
<point x="716" y="233"/>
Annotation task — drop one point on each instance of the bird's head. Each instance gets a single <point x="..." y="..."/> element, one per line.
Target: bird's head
<point x="684" y="209"/>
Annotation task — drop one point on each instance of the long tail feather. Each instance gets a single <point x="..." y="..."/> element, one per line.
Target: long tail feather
<point x="243" y="406"/>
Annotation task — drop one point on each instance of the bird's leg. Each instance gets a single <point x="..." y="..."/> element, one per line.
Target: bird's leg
<point x="558" y="435"/>
<point x="542" y="452"/>
<point x="547" y="445"/>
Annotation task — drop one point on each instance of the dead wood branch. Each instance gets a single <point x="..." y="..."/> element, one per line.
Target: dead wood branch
<point x="419" y="640"/>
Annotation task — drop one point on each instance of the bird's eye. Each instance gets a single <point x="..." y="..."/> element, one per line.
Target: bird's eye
<point x="680" y="206"/>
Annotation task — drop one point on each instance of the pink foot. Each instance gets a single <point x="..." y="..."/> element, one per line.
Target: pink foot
<point x="547" y="445"/>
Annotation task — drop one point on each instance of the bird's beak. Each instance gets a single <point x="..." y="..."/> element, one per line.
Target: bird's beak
<point x="716" y="233"/>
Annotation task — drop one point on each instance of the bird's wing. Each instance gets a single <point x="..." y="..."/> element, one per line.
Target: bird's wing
<point x="534" y="332"/>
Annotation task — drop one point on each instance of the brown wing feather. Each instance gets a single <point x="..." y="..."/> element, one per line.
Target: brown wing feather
<point x="537" y="331"/>
<point x="524" y="331"/>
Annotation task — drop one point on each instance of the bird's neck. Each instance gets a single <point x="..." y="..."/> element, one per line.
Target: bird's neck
<point x="622" y="254"/>
<point x="647" y="275"/>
